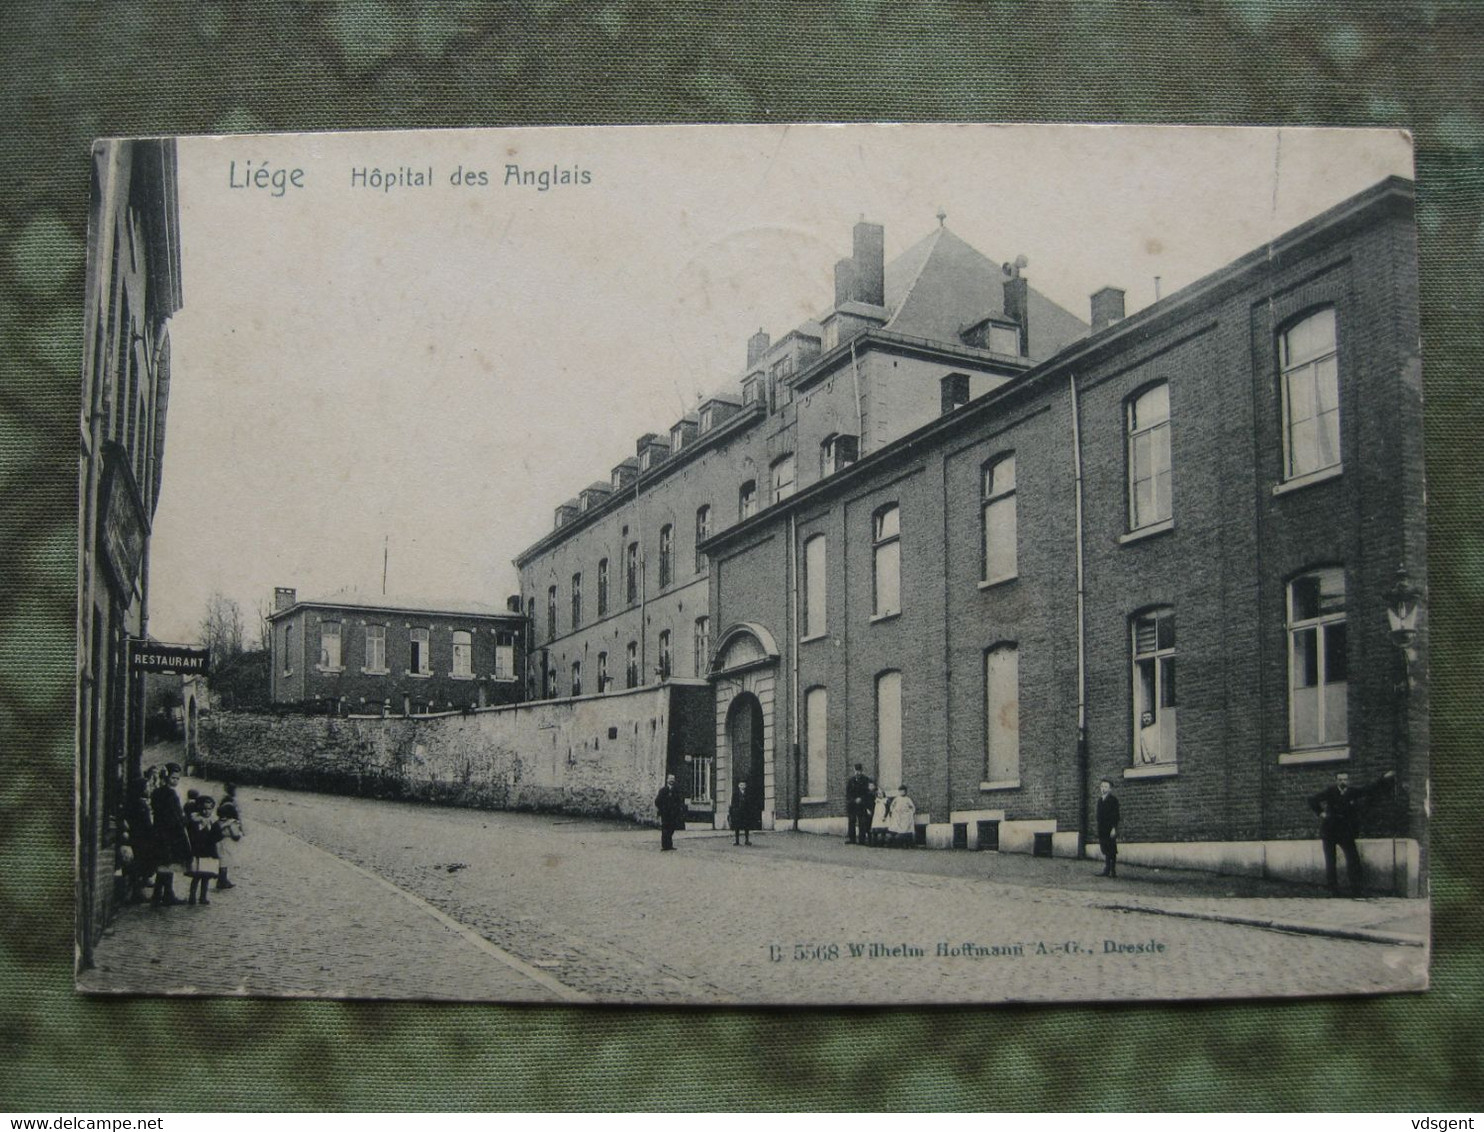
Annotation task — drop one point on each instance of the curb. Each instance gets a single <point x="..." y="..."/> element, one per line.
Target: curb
<point x="1362" y="935"/>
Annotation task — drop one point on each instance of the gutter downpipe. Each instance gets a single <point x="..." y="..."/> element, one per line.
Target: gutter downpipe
<point x="860" y="419"/>
<point x="793" y="658"/>
<point x="1082" y="761"/>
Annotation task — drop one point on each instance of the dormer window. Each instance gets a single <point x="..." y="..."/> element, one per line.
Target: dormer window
<point x="646" y="458"/>
<point x="752" y="389"/>
<point x="677" y="439"/>
<point x="1003" y="337"/>
<point x="708" y="418"/>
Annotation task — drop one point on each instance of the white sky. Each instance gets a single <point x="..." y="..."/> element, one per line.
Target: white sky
<point x="440" y="367"/>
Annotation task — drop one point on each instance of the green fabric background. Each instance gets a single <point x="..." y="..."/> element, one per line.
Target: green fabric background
<point x="72" y="72"/>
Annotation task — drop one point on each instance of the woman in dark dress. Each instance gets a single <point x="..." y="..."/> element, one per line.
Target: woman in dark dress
<point x="172" y="837"/>
<point x="745" y="815"/>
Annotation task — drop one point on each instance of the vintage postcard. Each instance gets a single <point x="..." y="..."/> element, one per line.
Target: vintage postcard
<point x="853" y="565"/>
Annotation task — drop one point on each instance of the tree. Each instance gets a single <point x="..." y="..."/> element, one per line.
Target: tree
<point x="221" y="630"/>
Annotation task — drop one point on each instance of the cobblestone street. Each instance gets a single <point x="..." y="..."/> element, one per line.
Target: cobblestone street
<point x="342" y="896"/>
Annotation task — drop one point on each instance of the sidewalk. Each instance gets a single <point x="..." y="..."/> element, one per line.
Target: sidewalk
<point x="300" y="922"/>
<point x="1250" y="901"/>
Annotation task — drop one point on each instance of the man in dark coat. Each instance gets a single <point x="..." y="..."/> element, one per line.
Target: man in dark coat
<point x="172" y="836"/>
<point x="858" y="796"/>
<point x="671" y="807"/>
<point x="1339" y="808"/>
<point x="1108" y="828"/>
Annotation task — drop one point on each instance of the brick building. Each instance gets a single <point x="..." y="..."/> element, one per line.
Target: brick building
<point x="133" y="289"/>
<point x="355" y="657"/>
<point x="617" y="593"/>
<point x="992" y="605"/>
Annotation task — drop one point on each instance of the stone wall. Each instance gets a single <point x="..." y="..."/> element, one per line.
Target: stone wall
<point x="598" y="755"/>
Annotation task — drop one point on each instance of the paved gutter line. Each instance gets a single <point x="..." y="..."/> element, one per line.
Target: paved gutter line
<point x="469" y="934"/>
<point x="1362" y="935"/>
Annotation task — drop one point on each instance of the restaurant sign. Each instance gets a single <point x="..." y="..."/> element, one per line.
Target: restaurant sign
<point x="151" y="656"/>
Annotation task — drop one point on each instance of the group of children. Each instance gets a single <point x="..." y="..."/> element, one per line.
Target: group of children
<point x="163" y="839"/>
<point x="212" y="831"/>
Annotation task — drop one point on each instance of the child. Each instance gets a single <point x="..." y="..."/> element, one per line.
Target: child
<point x="206" y="835"/>
<point x="231" y="822"/>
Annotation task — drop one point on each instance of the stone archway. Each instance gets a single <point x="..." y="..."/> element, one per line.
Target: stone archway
<point x="744" y="671"/>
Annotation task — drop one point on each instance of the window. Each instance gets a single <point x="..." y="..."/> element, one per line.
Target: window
<point x="602" y="672"/>
<point x="665" y="654"/>
<point x="1004" y="338"/>
<point x="708" y="419"/>
<point x="551" y="678"/>
<point x="329" y="645"/>
<point x="1311" y="395"/>
<point x="814" y="586"/>
<point x="375" y="648"/>
<point x="953" y="392"/>
<point x="1154" y="687"/>
<point x="889" y="731"/>
<point x="1317" y="668"/>
<point x="667" y="555"/>
<point x="576" y="600"/>
<point x="1149" y="457"/>
<point x="1002" y="715"/>
<point x="551" y="613"/>
<point x="463" y="653"/>
<point x="816" y="742"/>
<point x="836" y="452"/>
<point x="747" y="500"/>
<point x="703" y="645"/>
<point x="420" y="664"/>
<point x="780" y="393"/>
<point x="577" y="677"/>
<point x="1000" y="530"/>
<point x="631" y="666"/>
<point x="504" y="656"/>
<point x="886" y="538"/>
<point x="751" y="389"/>
<point x="703" y="532"/>
<point x="288" y="650"/>
<point x="603" y="587"/>
<point x="782" y="476"/>
<point x="631" y="574"/>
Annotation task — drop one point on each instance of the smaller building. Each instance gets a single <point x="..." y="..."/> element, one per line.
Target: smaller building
<point x="355" y="657"/>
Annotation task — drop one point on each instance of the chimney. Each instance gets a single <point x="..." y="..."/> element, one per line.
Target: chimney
<point x="1107" y="308"/>
<point x="844" y="282"/>
<point x="869" y="253"/>
<point x="1017" y="302"/>
<point x="757" y="346"/>
<point x="283" y="598"/>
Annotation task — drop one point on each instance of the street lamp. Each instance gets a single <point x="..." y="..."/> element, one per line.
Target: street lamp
<point x="1402" y="607"/>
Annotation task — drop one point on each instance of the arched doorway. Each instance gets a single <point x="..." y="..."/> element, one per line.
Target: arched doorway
<point x="744" y="674"/>
<point x="745" y="742"/>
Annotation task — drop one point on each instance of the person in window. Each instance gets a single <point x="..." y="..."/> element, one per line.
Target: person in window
<point x="1339" y="807"/>
<point x="744" y="815"/>
<point x="1108" y="817"/>
<point x="858" y="797"/>
<point x="901" y="819"/>
<point x="671" y="806"/>
<point x="1149" y="745"/>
